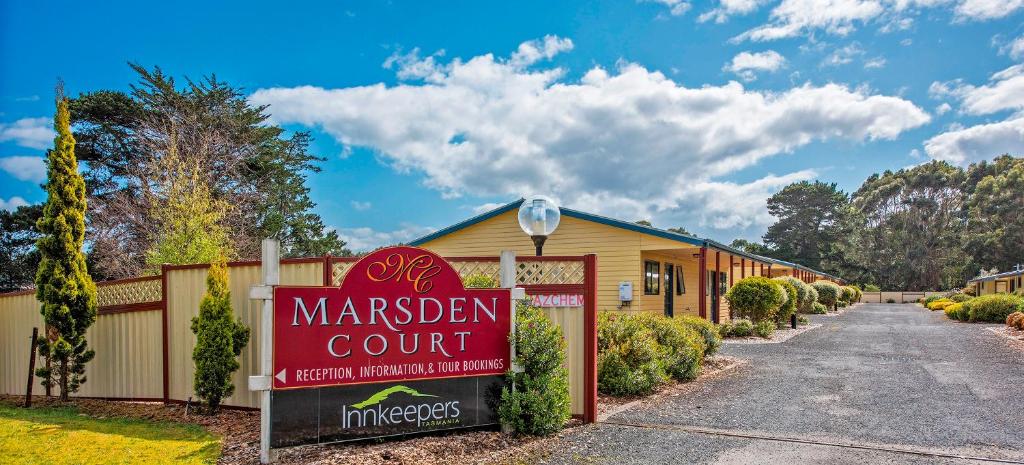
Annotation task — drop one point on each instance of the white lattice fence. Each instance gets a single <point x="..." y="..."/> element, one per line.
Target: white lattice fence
<point x="129" y="292"/>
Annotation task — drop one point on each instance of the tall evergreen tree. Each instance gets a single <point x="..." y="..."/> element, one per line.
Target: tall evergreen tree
<point x="63" y="285"/>
<point x="809" y="223"/>
<point x="219" y="340"/>
<point x="994" y="236"/>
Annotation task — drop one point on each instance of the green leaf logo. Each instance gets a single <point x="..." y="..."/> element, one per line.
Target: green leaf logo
<point x="384" y="394"/>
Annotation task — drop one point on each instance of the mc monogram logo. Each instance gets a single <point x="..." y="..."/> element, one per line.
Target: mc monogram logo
<point x="398" y="267"/>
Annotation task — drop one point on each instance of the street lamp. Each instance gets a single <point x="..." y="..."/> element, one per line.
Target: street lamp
<point x="539" y="216"/>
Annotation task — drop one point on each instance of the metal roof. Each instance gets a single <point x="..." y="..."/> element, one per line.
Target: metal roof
<point x="1005" y="274"/>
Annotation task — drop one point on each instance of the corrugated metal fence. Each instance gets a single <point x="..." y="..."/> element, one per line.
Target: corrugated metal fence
<point x="143" y="338"/>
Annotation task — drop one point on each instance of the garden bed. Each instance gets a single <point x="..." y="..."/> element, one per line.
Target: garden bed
<point x="713" y="366"/>
<point x="780" y="335"/>
<point x="239" y="432"/>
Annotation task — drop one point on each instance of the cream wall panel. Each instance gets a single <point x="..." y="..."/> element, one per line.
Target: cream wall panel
<point x="570" y="319"/>
<point x="18" y="314"/>
<point x="185" y="291"/>
<point x="129" y="356"/>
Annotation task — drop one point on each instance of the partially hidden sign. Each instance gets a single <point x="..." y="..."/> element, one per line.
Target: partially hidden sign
<point x="400" y="314"/>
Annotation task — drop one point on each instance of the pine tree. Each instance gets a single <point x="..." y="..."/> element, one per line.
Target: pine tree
<point x="63" y="285"/>
<point x="219" y="340"/>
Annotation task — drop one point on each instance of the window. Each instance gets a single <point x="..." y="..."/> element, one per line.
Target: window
<point x="652" y="275"/>
<point x="680" y="281"/>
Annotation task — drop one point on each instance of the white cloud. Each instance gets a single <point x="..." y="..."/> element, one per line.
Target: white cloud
<point x="943" y="109"/>
<point x="875" y="63"/>
<point x="981" y="142"/>
<point x="486" y="207"/>
<point x="367" y="239"/>
<point x="843" y="55"/>
<point x="675" y="7"/>
<point x="986" y="9"/>
<point x="1005" y="91"/>
<point x="12" y="204"/>
<point x="727" y="8"/>
<point x="791" y="18"/>
<point x="35" y="133"/>
<point x="533" y="51"/>
<point x="1013" y="48"/>
<point x="631" y="138"/>
<point x="361" y="206"/>
<point x="746" y="64"/>
<point x="25" y="168"/>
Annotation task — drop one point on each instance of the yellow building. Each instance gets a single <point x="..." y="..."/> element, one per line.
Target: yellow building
<point x="1000" y="283"/>
<point x="639" y="268"/>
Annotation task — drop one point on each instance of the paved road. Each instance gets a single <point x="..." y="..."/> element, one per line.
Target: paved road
<point x="867" y="387"/>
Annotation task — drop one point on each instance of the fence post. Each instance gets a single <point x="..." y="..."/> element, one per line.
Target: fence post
<point x="31" y="367"/>
<point x="590" y="335"/>
<point x="271" y="269"/>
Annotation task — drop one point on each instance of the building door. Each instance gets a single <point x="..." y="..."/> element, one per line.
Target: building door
<point x="713" y="291"/>
<point x="669" y="286"/>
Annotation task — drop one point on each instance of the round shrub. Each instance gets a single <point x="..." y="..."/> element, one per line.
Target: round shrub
<point x="812" y="298"/>
<point x="828" y="293"/>
<point x="961" y="297"/>
<point x="802" y="291"/>
<point x="792" y="301"/>
<point x="846" y="294"/>
<point x="764" y="328"/>
<point x="629" y="356"/>
<point x="993" y="308"/>
<point x="539" y="404"/>
<point x="725" y="330"/>
<point x="951" y="311"/>
<point x="819" y="309"/>
<point x="1014" y="319"/>
<point x="682" y="346"/>
<point x="756" y="297"/>
<point x="707" y="330"/>
<point x="939" y="304"/>
<point x="890" y="301"/>
<point x="742" y="328"/>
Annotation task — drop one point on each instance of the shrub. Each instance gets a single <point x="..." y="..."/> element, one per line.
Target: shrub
<point x="802" y="320"/>
<point x="993" y="308"/>
<point x="952" y="310"/>
<point x="890" y="301"/>
<point x="847" y="294"/>
<point x="219" y="340"/>
<point x="960" y="297"/>
<point x="742" y="328"/>
<point x="792" y="300"/>
<point x="940" y="304"/>
<point x="842" y="304"/>
<point x="629" y="356"/>
<point x="764" y="328"/>
<point x="828" y="293"/>
<point x="756" y="297"/>
<point x="1015" y="320"/>
<point x="536" y="400"/>
<point x="707" y="330"/>
<point x="479" y="281"/>
<point x="819" y="309"/>
<point x="682" y="346"/>
<point x="872" y="288"/>
<point x="725" y="330"/>
<point x="931" y="298"/>
<point x="812" y="298"/>
<point x="803" y="290"/>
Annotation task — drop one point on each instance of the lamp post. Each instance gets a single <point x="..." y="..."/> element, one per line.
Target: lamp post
<point x="539" y="217"/>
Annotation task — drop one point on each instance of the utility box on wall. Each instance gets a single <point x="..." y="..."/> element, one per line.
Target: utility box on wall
<point x="625" y="291"/>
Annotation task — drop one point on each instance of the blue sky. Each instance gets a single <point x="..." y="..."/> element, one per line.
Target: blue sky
<point x="683" y="113"/>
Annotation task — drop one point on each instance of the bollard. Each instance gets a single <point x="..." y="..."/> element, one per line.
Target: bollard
<point x="792" y="320"/>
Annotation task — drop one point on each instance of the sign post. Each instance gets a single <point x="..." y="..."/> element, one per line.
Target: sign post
<point x="270" y="266"/>
<point x="399" y="347"/>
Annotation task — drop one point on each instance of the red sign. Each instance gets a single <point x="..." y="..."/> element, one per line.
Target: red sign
<point x="400" y="314"/>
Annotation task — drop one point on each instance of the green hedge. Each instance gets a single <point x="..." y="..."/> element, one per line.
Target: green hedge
<point x="789" y="307"/>
<point x="829" y="293"/>
<point x="707" y="330"/>
<point x="682" y="346"/>
<point x="993" y="308"/>
<point x="756" y="297"/>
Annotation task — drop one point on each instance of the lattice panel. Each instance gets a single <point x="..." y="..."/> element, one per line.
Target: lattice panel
<point x="467" y="269"/>
<point x="570" y="272"/>
<point x="338" y="271"/>
<point x="134" y="292"/>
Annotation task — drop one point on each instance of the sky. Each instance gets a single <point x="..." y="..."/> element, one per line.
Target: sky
<point x="682" y="113"/>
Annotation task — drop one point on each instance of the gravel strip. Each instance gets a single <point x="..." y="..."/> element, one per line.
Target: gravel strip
<point x="780" y="335"/>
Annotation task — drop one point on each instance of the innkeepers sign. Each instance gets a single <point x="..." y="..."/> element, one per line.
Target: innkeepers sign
<point x="358" y="359"/>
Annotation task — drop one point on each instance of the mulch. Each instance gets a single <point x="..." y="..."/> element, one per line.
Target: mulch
<point x="240" y="431"/>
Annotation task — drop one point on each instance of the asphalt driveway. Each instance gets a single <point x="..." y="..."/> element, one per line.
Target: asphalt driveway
<point x="881" y="383"/>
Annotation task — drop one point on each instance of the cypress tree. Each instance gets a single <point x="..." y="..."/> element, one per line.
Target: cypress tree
<point x="63" y="285"/>
<point x="219" y="340"/>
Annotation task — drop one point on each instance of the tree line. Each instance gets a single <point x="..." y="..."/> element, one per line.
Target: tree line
<point x="928" y="227"/>
<point x="178" y="173"/>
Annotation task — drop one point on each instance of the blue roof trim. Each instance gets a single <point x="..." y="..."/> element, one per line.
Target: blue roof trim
<point x="614" y="223"/>
<point x="1005" y="274"/>
<point x="467" y="223"/>
<point x="633" y="227"/>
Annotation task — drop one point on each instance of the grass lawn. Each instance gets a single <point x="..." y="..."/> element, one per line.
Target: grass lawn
<point x="61" y="435"/>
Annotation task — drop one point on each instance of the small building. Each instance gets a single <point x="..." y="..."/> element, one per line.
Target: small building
<point x="999" y="283"/>
<point x="639" y="268"/>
